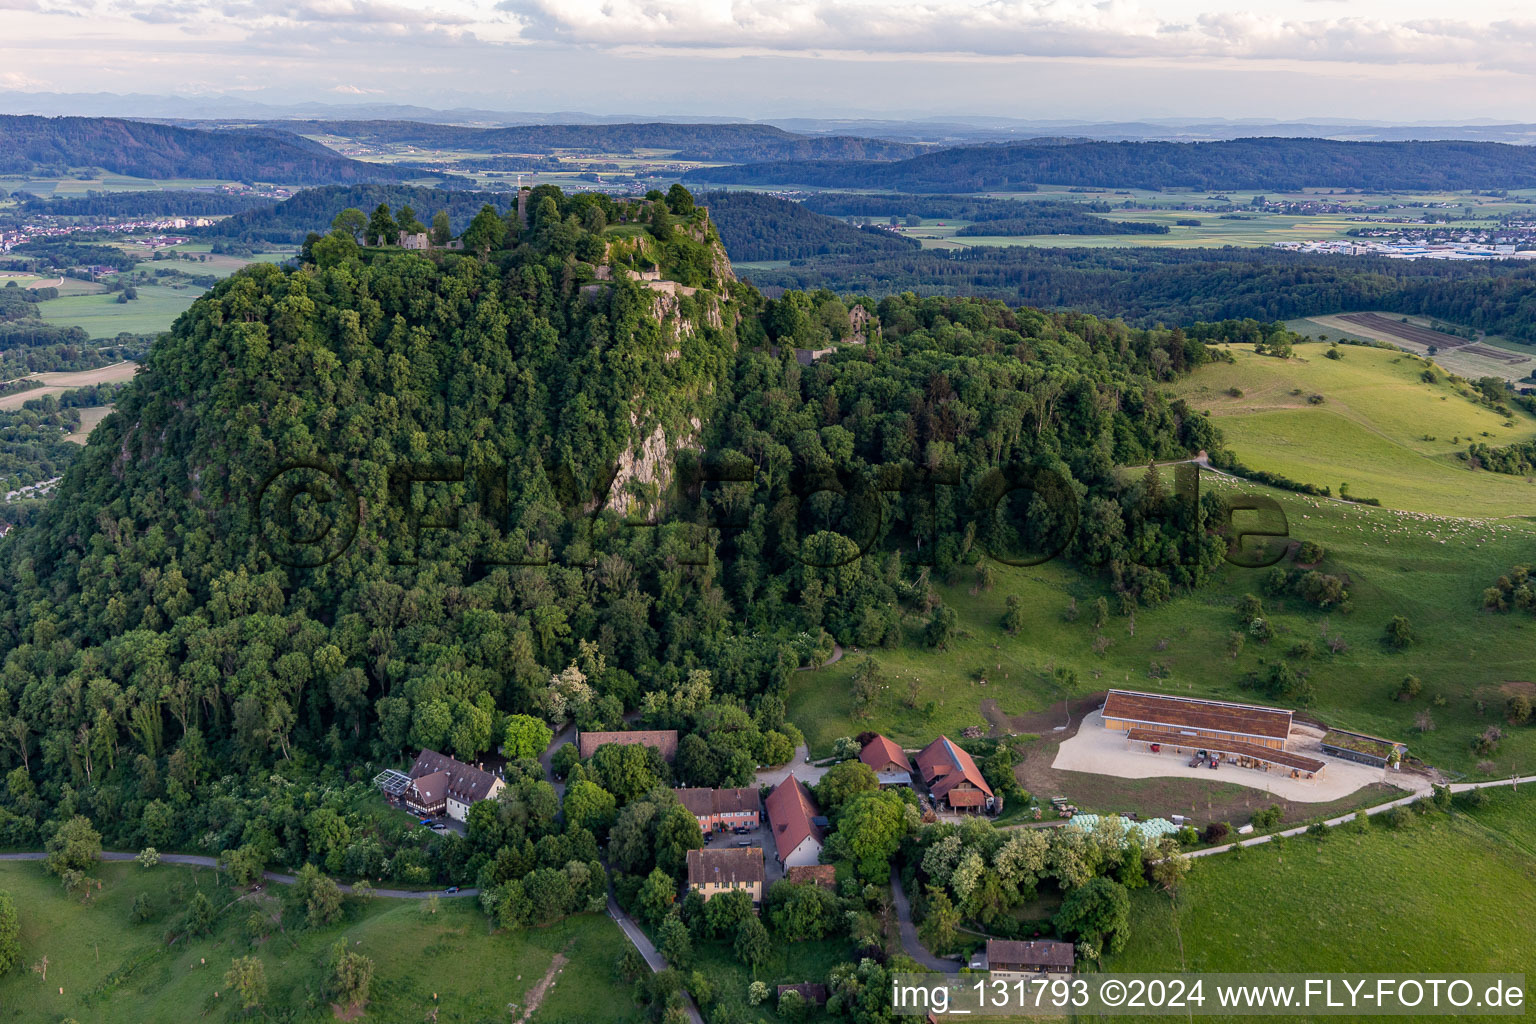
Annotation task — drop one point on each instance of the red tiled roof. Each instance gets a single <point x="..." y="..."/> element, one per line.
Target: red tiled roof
<point x="966" y="798"/>
<point x="1157" y="711"/>
<point x="944" y="766"/>
<point x="790" y="810"/>
<point x="824" y="875"/>
<point x="880" y="752"/>
<point x="664" y="740"/>
<point x="465" y="783"/>
<point x="725" y="866"/>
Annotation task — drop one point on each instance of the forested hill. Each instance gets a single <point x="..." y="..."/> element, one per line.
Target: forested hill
<point x="1271" y="164"/>
<point x="1155" y="284"/>
<point x="58" y="145"/>
<point x="360" y="507"/>
<point x="313" y="209"/>
<point x="754" y="226"/>
<point x="735" y="142"/>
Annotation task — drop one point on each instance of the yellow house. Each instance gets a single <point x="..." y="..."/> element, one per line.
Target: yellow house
<point x="712" y="872"/>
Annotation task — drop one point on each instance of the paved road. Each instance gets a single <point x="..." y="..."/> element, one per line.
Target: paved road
<point x="564" y="736"/>
<point x="195" y="860"/>
<point x="837" y="656"/>
<point x="652" y="956"/>
<point x="910" y="944"/>
<point x="1460" y="787"/>
<point x="800" y="765"/>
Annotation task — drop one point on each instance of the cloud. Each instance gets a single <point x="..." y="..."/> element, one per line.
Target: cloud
<point x="1007" y="28"/>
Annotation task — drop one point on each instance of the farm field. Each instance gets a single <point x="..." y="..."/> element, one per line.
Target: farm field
<point x="222" y="264"/>
<point x="88" y="420"/>
<point x="104" y="317"/>
<point x="1466" y="360"/>
<point x="1379" y="428"/>
<point x="1255" y="229"/>
<point x="1430" y="569"/>
<point x="65" y="285"/>
<point x="1373" y="902"/>
<point x="58" y="382"/>
<point x="114" y="970"/>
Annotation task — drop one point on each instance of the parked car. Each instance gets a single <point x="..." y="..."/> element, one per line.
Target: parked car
<point x="743" y="842"/>
<point x="426" y="821"/>
<point x="438" y="826"/>
<point x="451" y="890"/>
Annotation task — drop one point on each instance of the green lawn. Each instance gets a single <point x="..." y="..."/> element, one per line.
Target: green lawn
<point x="1431" y="570"/>
<point x="1380" y="428"/>
<point x="113" y="970"/>
<point x="104" y="317"/>
<point x="1444" y="893"/>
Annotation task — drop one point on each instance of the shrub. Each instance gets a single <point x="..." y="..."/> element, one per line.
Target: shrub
<point x="1216" y="831"/>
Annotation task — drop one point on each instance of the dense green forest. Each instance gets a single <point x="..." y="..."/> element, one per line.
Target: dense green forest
<point x="734" y="142"/>
<point x="989" y="216"/>
<point x="314" y="208"/>
<point x="754" y="226"/>
<point x="1271" y="164"/>
<point x="1162" y="285"/>
<point x="157" y="203"/>
<point x="58" y="145"/>
<point x="204" y="616"/>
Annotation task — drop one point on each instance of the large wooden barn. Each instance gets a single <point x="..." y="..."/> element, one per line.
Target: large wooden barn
<point x="1197" y="720"/>
<point x="1246" y="734"/>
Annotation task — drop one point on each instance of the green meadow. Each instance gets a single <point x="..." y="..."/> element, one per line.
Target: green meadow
<point x="1379" y="427"/>
<point x="1445" y="892"/>
<point x="1430" y="569"/>
<point x="104" y="317"/>
<point x="112" y="969"/>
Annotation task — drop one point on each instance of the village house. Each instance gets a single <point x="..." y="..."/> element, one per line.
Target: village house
<point x="888" y="761"/>
<point x="711" y="872"/>
<point x="440" y="784"/>
<point x="953" y="778"/>
<point x="664" y="741"/>
<point x="1040" y="956"/>
<point x="719" y="810"/>
<point x="799" y="830"/>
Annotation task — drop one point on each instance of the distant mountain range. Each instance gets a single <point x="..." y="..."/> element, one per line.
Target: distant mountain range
<point x="1257" y="163"/>
<point x="140" y="149"/>
<point x="738" y="143"/>
<point x="941" y="129"/>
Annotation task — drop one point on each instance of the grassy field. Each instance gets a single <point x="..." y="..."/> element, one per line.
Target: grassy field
<point x="104" y="317"/>
<point x="88" y="420"/>
<point x="114" y="970"/>
<point x="1380" y="428"/>
<point x="1459" y="361"/>
<point x="1430" y="569"/>
<point x="1443" y="893"/>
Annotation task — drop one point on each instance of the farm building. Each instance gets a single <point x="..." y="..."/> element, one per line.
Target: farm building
<point x="663" y="740"/>
<point x="888" y="761"/>
<point x="952" y="777"/>
<point x="721" y="809"/>
<point x="798" y="827"/>
<point x="1357" y="746"/>
<point x="711" y="872"/>
<point x="1197" y="721"/>
<point x="1041" y="956"/>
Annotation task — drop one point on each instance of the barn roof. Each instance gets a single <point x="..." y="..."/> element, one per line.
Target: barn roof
<point x="1174" y="713"/>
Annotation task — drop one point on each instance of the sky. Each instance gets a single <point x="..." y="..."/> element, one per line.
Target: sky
<point x="1387" y="60"/>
